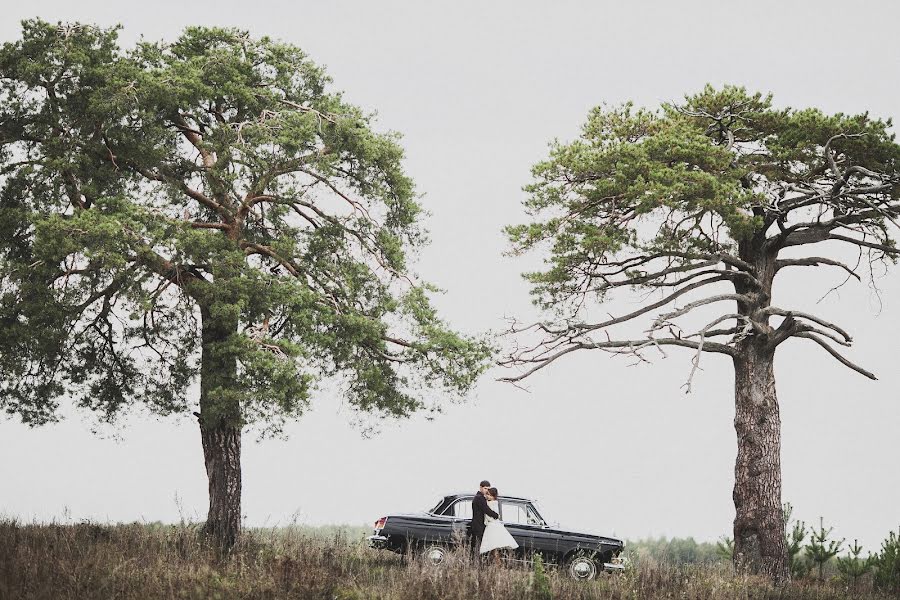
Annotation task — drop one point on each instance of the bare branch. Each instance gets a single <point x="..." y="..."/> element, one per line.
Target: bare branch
<point x="251" y="248"/>
<point x="222" y="226"/>
<point x="586" y="328"/>
<point x="812" y="261"/>
<point x="803" y="327"/>
<point x="662" y="319"/>
<point x="617" y="347"/>
<point x="892" y="250"/>
<point x="774" y="310"/>
<point x="835" y="354"/>
<point x="810" y="232"/>
<point x="196" y="140"/>
<point x="189" y="191"/>
<point x="706" y="332"/>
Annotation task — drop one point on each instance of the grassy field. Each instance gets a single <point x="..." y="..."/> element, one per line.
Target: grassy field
<point x="140" y="561"/>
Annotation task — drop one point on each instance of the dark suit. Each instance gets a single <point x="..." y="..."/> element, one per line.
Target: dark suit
<point x="479" y="509"/>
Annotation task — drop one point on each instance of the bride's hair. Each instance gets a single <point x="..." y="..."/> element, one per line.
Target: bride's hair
<point x="494" y="492"/>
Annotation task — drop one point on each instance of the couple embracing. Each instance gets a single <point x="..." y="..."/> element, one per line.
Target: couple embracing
<point x="488" y="533"/>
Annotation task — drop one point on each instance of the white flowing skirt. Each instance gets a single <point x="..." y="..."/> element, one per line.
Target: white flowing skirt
<point x="496" y="536"/>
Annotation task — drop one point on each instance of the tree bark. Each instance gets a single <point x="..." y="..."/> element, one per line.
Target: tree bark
<point x="759" y="539"/>
<point x="759" y="542"/>
<point x="220" y="429"/>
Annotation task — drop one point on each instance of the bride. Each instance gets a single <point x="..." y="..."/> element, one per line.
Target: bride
<point x="495" y="534"/>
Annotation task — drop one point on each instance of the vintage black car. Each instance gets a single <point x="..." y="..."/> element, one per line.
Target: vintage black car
<point x="434" y="532"/>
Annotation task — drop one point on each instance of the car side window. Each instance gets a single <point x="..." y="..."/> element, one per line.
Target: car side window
<point x="516" y="512"/>
<point x="462" y="509"/>
<point x="513" y="512"/>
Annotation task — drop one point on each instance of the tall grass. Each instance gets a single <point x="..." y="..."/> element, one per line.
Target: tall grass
<point x="137" y="561"/>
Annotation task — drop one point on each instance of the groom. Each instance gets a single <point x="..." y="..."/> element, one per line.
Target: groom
<point x="479" y="509"/>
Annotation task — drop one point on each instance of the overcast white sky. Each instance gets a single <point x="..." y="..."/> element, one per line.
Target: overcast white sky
<point x="478" y="89"/>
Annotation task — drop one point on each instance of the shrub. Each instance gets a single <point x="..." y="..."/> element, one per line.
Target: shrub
<point x="725" y="548"/>
<point x="887" y="564"/>
<point x="821" y="549"/>
<point x="794" y="543"/>
<point x="852" y="567"/>
<point x="540" y="583"/>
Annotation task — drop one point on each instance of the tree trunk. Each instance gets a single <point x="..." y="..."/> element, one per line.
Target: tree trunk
<point x="220" y="429"/>
<point x="759" y="541"/>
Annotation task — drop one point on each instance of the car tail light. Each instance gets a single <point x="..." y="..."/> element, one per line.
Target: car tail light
<point x="379" y="524"/>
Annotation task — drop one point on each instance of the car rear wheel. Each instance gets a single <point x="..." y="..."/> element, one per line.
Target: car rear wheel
<point x="582" y="567"/>
<point x="434" y="554"/>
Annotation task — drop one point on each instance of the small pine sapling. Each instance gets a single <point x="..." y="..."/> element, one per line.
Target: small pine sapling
<point x="794" y="543"/>
<point x="852" y="566"/>
<point x="725" y="547"/>
<point x="821" y="549"/>
<point x="540" y="583"/>
<point x="887" y="563"/>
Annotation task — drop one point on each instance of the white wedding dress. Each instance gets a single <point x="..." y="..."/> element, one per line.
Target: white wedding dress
<point x="495" y="534"/>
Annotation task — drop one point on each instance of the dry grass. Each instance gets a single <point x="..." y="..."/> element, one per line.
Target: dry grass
<point x="126" y="562"/>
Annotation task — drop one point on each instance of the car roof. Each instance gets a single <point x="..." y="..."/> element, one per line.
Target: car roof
<point x="502" y="496"/>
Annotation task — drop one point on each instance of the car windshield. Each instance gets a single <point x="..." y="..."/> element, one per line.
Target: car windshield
<point x="538" y="509"/>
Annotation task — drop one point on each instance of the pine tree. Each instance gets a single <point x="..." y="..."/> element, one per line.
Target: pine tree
<point x="704" y="203"/>
<point x="887" y="564"/>
<point x="540" y="583"/>
<point x="794" y="543"/>
<point x="206" y="210"/>
<point x="725" y="547"/>
<point x="852" y="567"/>
<point x="821" y="549"/>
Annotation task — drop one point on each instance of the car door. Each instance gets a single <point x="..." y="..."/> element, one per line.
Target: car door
<point x="461" y="513"/>
<point x="528" y="529"/>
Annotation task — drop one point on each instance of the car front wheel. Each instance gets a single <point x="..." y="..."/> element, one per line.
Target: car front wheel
<point x="582" y="567"/>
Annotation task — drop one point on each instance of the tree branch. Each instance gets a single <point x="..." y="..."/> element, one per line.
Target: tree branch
<point x="835" y="354"/>
<point x="617" y="347"/>
<point x="586" y="328"/>
<point x="774" y="310"/>
<point x="812" y="261"/>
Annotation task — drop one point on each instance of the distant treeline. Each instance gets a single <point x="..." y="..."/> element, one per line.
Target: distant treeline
<point x="675" y="551"/>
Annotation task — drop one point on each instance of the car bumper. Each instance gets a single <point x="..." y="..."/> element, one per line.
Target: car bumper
<point x="614" y="567"/>
<point x="377" y="541"/>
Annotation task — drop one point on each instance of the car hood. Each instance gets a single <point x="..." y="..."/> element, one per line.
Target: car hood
<point x="585" y="534"/>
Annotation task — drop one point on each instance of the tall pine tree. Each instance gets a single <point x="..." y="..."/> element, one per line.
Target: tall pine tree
<point x="701" y="205"/>
<point x="205" y="209"/>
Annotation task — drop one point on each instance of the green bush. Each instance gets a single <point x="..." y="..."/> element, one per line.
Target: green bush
<point x="821" y="549"/>
<point x="852" y="566"/>
<point x="540" y="583"/>
<point x="725" y="548"/>
<point x="794" y="542"/>
<point x="887" y="564"/>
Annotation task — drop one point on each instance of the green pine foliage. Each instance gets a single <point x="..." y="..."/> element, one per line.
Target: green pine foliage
<point x="211" y="193"/>
<point x="540" y="583"/>
<point x="725" y="547"/>
<point x="795" y="535"/>
<point x="821" y="549"/>
<point x="853" y="566"/>
<point x="601" y="197"/>
<point x="887" y="563"/>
